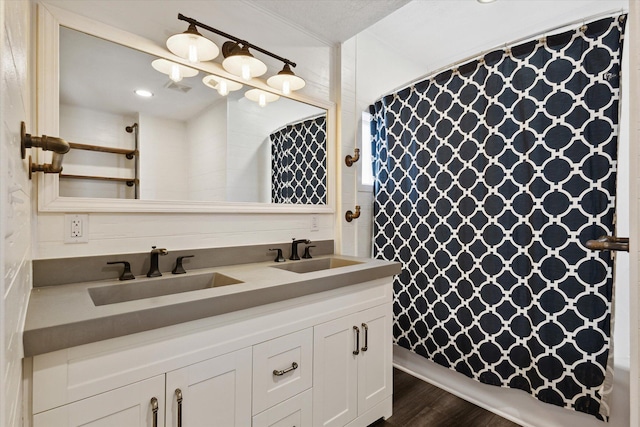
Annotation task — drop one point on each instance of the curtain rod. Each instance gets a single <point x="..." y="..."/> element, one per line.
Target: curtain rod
<point x="311" y="117"/>
<point x="503" y="45"/>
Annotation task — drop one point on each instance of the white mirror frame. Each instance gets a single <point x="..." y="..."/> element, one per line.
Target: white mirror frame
<point x="50" y="18"/>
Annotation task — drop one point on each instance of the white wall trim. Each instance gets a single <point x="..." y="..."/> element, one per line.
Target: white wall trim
<point x="632" y="39"/>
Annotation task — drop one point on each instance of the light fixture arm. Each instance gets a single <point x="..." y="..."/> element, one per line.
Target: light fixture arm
<point x="192" y="21"/>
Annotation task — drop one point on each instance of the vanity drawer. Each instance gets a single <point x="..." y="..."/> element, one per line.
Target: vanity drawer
<point x="282" y="368"/>
<point x="292" y="412"/>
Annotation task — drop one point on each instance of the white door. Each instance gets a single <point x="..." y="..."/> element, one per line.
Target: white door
<point x="335" y="372"/>
<point x="129" y="406"/>
<point x="375" y="371"/>
<point x="215" y="393"/>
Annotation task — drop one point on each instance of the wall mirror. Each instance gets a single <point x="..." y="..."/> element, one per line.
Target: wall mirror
<point x="186" y="147"/>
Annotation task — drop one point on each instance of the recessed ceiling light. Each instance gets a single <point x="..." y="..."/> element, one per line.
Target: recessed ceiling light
<point x="486" y="1"/>
<point x="143" y="93"/>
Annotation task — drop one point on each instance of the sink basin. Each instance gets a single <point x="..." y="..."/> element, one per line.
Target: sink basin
<point x="135" y="290"/>
<point x="316" y="265"/>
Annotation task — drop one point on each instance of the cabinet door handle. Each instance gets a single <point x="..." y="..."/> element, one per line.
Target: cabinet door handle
<point x="366" y="337"/>
<point x="277" y="373"/>
<point x="154" y="408"/>
<point x="357" y="350"/>
<point x="179" y="400"/>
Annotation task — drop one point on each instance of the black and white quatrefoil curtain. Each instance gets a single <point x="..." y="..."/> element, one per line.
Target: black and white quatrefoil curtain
<point x="299" y="163"/>
<point x="489" y="180"/>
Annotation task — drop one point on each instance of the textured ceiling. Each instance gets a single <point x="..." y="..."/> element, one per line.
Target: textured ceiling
<point x="333" y="21"/>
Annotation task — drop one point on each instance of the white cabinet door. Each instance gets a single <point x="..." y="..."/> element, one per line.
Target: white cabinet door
<point x="215" y="392"/>
<point x="294" y="412"/>
<point x="346" y="385"/>
<point x="375" y="372"/>
<point x="335" y="394"/>
<point x="128" y="406"/>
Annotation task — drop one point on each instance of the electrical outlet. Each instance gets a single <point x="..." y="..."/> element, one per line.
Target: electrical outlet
<point x="76" y="228"/>
<point x="314" y="223"/>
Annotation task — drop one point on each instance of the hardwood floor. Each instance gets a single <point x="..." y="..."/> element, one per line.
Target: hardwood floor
<point x="419" y="404"/>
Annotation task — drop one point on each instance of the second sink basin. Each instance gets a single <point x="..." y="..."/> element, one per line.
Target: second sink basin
<point x="135" y="290"/>
<point x="316" y="265"/>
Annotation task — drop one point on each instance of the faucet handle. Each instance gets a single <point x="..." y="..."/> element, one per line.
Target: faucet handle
<point x="126" y="273"/>
<point x="306" y="254"/>
<point x="179" y="269"/>
<point x="279" y="257"/>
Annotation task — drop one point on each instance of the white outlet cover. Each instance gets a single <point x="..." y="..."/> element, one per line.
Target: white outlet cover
<point x="82" y="228"/>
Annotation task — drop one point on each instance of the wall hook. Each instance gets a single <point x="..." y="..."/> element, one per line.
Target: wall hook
<point x="48" y="143"/>
<point x="350" y="160"/>
<point x="350" y="216"/>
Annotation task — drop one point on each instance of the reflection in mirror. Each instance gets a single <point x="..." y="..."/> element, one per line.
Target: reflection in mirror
<point x="185" y="141"/>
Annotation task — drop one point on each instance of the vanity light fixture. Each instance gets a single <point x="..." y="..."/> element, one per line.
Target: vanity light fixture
<point x="238" y="59"/>
<point x="261" y="97"/>
<point x="143" y="93"/>
<point x="286" y="81"/>
<point x="192" y="46"/>
<point x="240" y="62"/>
<point x="175" y="71"/>
<point x="223" y="86"/>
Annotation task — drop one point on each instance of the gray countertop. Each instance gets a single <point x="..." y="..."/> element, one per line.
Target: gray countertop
<point x="64" y="316"/>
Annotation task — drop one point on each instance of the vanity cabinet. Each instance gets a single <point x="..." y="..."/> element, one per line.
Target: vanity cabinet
<point x="352" y="366"/>
<point x="296" y="412"/>
<point x="210" y="393"/>
<point x="126" y="406"/>
<point x="289" y="363"/>
<point x="282" y="368"/>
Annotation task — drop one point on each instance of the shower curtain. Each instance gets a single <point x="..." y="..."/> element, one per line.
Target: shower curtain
<point x="489" y="180"/>
<point x="299" y="162"/>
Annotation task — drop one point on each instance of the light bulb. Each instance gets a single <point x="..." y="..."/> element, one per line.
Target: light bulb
<point x="262" y="100"/>
<point x="193" y="51"/>
<point x="223" y="88"/>
<point x="175" y="75"/>
<point x="246" y="71"/>
<point x="286" y="87"/>
<point x="143" y="93"/>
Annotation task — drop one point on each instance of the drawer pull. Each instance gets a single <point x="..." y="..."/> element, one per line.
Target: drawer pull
<point x="357" y="350"/>
<point x="179" y="400"/>
<point x="366" y="337"/>
<point x="293" y="366"/>
<point x="154" y="408"/>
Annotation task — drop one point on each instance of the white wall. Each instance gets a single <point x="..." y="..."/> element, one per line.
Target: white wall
<point x="207" y="157"/>
<point x="382" y="64"/>
<point x="348" y="131"/>
<point x="15" y="202"/>
<point x="164" y="156"/>
<point x="246" y="145"/>
<point x="92" y="127"/>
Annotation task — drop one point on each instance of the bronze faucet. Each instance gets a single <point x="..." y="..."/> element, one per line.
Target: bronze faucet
<point x="154" y="271"/>
<point x="294" y="248"/>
